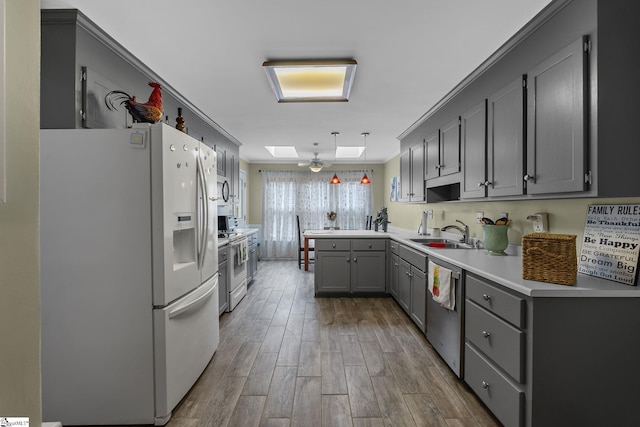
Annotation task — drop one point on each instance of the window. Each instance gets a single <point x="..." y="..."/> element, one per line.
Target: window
<point x="286" y="194"/>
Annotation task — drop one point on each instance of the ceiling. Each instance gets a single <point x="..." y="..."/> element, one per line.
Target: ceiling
<point x="410" y="54"/>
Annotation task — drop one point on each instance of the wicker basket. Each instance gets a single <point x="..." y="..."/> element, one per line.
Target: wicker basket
<point x="549" y="258"/>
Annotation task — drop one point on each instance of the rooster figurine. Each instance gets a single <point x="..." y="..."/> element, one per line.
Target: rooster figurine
<point x="149" y="112"/>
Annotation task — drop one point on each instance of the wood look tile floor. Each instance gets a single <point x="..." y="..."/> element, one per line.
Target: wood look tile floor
<point x="287" y="358"/>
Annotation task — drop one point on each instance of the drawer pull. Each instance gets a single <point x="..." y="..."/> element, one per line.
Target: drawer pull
<point x="333" y="245"/>
<point x="485" y="384"/>
<point x="486" y="297"/>
<point x="486" y="334"/>
<point x="370" y="246"/>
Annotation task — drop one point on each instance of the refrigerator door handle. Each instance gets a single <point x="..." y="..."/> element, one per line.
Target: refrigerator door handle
<point x="188" y="306"/>
<point x="204" y="221"/>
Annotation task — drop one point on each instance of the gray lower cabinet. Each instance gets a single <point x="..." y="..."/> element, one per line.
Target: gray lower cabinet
<point x="412" y="284"/>
<point x="394" y="269"/>
<point x="252" y="263"/>
<point x="561" y="361"/>
<point x="223" y="287"/>
<point x="350" y="266"/>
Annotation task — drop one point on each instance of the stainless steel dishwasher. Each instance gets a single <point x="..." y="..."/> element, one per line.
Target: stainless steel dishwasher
<point x="444" y="326"/>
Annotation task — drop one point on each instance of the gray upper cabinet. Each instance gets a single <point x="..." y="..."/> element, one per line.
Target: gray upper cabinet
<point x="221" y="160"/>
<point x="412" y="173"/>
<point x="556" y="143"/>
<point x="473" y="152"/>
<point x="505" y="144"/>
<point x="443" y="152"/>
<point x="432" y="158"/>
<point x="450" y="148"/>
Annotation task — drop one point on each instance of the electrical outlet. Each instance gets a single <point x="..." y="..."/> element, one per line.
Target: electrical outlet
<point x="479" y="216"/>
<point x="430" y="214"/>
<point x="504" y="215"/>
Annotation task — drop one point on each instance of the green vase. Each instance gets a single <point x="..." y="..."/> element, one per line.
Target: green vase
<point x="495" y="239"/>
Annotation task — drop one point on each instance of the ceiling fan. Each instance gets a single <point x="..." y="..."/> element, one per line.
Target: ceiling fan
<point x="316" y="164"/>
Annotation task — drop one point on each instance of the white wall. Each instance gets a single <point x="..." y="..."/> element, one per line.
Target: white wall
<point x="19" y="217"/>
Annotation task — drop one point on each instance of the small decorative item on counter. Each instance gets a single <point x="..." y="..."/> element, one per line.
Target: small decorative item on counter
<point x="495" y="238"/>
<point x="180" y="121"/>
<point x="549" y="258"/>
<point x="382" y="219"/>
<point x="148" y="112"/>
<point x="331" y="216"/>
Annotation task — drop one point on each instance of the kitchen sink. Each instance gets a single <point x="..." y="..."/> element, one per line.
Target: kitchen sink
<point x="437" y="242"/>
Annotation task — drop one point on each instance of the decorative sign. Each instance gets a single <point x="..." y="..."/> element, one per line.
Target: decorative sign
<point x="611" y="243"/>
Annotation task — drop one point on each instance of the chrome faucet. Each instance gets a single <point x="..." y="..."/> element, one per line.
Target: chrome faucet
<point x="464" y="231"/>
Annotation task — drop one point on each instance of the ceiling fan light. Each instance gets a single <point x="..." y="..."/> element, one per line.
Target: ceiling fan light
<point x="365" y="179"/>
<point x="315" y="168"/>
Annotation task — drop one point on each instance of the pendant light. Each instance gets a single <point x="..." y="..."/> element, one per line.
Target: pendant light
<point x="335" y="179"/>
<point x="365" y="179"/>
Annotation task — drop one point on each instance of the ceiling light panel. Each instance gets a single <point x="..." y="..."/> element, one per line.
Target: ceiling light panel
<point x="350" y="152"/>
<point x="311" y="81"/>
<point x="282" y="151"/>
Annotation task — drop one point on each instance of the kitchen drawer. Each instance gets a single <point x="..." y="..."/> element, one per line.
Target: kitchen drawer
<point x="500" y="341"/>
<point x="500" y="302"/>
<point x="501" y="396"/>
<point x="394" y="246"/>
<point x="333" y="245"/>
<point x="413" y="257"/>
<point x="368" y="244"/>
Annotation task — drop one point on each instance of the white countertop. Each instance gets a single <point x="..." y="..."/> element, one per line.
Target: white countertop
<point x="505" y="270"/>
<point x="247" y="231"/>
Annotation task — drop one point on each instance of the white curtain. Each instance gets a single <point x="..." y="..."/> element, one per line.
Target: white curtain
<point x="286" y="194"/>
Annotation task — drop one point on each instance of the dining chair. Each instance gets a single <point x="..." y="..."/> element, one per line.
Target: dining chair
<point x="301" y="245"/>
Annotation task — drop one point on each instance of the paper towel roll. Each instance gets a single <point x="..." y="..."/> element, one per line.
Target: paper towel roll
<point x="423" y="224"/>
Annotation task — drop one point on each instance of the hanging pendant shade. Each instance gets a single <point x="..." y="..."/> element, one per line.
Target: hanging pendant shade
<point x="365" y="179"/>
<point x="335" y="179"/>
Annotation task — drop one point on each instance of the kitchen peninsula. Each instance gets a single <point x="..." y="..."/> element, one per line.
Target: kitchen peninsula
<point x="537" y="354"/>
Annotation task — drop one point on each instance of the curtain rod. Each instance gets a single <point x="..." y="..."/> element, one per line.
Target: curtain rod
<point x="336" y="170"/>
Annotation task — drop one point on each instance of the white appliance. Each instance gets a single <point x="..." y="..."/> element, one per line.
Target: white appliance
<point x="129" y="282"/>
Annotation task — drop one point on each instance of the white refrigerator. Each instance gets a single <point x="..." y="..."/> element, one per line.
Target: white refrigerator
<point x="129" y="282"/>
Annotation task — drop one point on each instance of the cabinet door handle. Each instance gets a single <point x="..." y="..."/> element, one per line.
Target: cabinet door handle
<point x="395" y="264"/>
<point x="480" y="184"/>
<point x="348" y="259"/>
<point x="528" y="178"/>
<point x="355" y="259"/>
<point x="486" y="297"/>
<point x="488" y="183"/>
<point x="485" y="384"/>
<point x="333" y="245"/>
<point x="486" y="334"/>
<point x="370" y="246"/>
